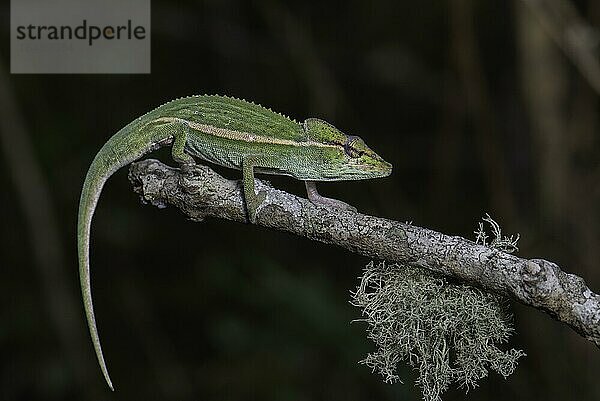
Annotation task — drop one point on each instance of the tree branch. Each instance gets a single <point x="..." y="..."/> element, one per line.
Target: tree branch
<point x="534" y="282"/>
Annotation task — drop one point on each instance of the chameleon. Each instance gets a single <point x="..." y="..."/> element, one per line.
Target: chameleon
<point x="232" y="133"/>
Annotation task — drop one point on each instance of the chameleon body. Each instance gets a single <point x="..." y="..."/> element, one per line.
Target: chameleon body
<point x="232" y="133"/>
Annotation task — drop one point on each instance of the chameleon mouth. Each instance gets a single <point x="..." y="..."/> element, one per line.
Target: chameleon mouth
<point x="384" y="169"/>
<point x="365" y="171"/>
<point x="381" y="166"/>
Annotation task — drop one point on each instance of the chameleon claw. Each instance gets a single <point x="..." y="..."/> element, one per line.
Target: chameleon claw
<point x="338" y="204"/>
<point x="260" y="198"/>
<point x="333" y="203"/>
<point x="318" y="199"/>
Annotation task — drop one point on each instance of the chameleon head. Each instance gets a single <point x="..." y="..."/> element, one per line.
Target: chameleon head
<point x="345" y="157"/>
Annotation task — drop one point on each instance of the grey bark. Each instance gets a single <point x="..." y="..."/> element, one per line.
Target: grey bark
<point x="538" y="283"/>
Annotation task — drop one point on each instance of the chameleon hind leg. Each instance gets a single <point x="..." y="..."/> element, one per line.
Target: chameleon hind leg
<point x="318" y="199"/>
<point x="180" y="135"/>
<point x="253" y="200"/>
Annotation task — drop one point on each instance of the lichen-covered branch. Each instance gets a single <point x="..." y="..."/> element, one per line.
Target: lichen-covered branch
<point x="534" y="282"/>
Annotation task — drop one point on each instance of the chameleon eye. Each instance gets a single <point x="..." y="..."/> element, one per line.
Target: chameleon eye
<point x="349" y="149"/>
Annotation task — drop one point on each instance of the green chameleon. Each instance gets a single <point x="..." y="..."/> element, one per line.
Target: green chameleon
<point x="232" y="133"/>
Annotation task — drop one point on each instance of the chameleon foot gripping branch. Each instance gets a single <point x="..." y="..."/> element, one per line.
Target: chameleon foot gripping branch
<point x="231" y="133"/>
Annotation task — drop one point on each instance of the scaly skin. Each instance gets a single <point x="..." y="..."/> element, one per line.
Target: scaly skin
<point x="231" y="133"/>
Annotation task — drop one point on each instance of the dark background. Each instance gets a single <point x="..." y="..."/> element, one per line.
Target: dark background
<point x="472" y="102"/>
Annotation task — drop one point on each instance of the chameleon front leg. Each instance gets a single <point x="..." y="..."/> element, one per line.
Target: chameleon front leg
<point x="252" y="199"/>
<point x="316" y="198"/>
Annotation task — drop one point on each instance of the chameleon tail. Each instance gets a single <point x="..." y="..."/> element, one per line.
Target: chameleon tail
<point x="119" y="151"/>
<point x="92" y="188"/>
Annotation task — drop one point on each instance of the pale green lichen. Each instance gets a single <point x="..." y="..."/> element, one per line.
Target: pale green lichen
<point x="448" y="331"/>
<point x="504" y="244"/>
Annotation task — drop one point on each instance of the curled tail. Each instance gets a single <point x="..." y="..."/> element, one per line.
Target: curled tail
<point x="123" y="148"/>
